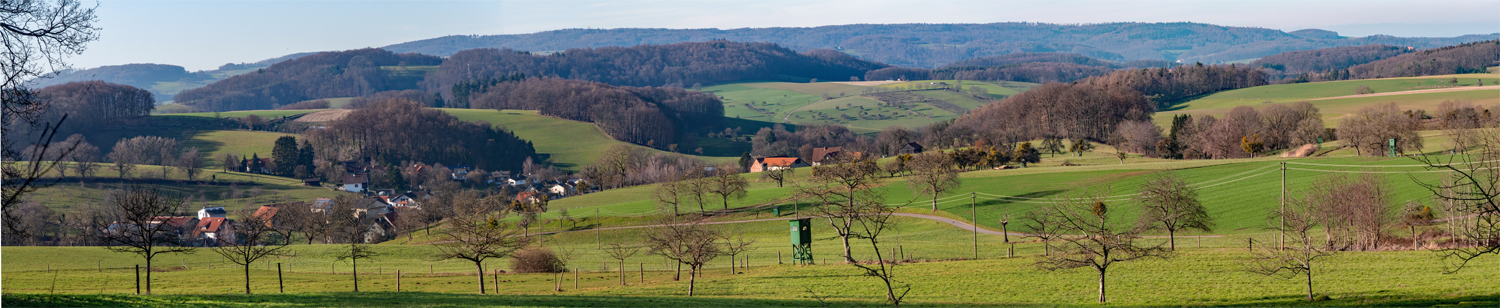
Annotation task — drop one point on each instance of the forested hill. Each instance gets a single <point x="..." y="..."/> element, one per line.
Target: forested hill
<point x="323" y="75"/>
<point x="163" y="80"/>
<point x="681" y="65"/>
<point x="932" y="45"/>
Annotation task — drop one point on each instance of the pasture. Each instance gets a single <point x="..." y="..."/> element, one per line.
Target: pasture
<point x="1336" y="99"/>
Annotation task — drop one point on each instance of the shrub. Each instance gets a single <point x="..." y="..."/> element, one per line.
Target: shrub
<point x="1363" y="89"/>
<point x="537" y="260"/>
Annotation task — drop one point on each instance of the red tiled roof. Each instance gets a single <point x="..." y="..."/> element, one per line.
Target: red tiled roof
<point x="175" y="221"/>
<point x="210" y="224"/>
<point x="780" y="161"/>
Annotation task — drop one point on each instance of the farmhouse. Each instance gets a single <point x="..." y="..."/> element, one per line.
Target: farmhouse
<point x="831" y="155"/>
<point x="214" y="231"/>
<point x="776" y="163"/>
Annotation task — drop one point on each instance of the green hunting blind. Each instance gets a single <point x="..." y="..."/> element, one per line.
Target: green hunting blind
<point x="802" y="241"/>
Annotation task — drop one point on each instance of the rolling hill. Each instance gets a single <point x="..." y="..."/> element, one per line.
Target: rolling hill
<point x="932" y="45"/>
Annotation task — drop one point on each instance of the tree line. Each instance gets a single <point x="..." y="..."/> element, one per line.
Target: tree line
<point x="398" y="130"/>
<point x="657" y="117"/>
<point x="1323" y="64"/>
<point x="679" y="65"/>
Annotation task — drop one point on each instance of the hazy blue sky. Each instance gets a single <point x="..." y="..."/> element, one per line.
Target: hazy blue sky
<point x="202" y="35"/>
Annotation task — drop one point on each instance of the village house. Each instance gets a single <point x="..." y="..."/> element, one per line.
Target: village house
<point x="217" y="211"/>
<point x="822" y="156"/>
<point x="776" y="163"/>
<point x="356" y="182"/>
<point x="183" y="225"/>
<point x="214" y="231"/>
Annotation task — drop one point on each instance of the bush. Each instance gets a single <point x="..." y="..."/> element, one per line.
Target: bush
<point x="537" y="260"/>
<point x="1362" y="90"/>
<point x="1322" y="298"/>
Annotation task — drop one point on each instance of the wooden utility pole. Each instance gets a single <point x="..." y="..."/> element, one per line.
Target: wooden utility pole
<point x="598" y="239"/>
<point x="1281" y="241"/>
<point x="973" y="211"/>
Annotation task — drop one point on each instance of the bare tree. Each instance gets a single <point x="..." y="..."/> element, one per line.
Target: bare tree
<point x="477" y="234"/>
<point x="1298" y="219"/>
<point x="727" y="183"/>
<point x="1044" y="225"/>
<point x="1470" y="194"/>
<point x="121" y="162"/>
<point x="356" y="252"/>
<point x="671" y="195"/>
<point x="255" y="238"/>
<point x="37" y="36"/>
<point x="687" y="242"/>
<point x="620" y="253"/>
<point x="933" y="173"/>
<point x="871" y="221"/>
<point x="777" y="173"/>
<point x="305" y="219"/>
<point x="736" y="245"/>
<point x="842" y="193"/>
<point x="190" y="162"/>
<point x="134" y="224"/>
<point x="1167" y="203"/>
<point x="1099" y="244"/>
<point x="228" y="161"/>
<point x="349" y="225"/>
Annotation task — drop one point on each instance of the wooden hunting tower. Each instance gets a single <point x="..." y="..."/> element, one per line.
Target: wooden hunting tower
<point x="802" y="241"/>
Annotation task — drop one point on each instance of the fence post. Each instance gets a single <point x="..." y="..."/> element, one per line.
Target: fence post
<point x="1012" y="251"/>
<point x="778" y="257"/>
<point x="575" y="277"/>
<point x="643" y="274"/>
<point x="398" y="280"/>
<point x="282" y="285"/>
<point x="496" y="273"/>
<point x="137" y="279"/>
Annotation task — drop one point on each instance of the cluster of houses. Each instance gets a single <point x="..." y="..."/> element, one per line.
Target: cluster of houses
<point x="527" y="189"/>
<point x="819" y="157"/>
<point x="209" y="228"/>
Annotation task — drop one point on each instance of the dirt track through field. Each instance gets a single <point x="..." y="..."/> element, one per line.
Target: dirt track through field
<point x="1453" y="89"/>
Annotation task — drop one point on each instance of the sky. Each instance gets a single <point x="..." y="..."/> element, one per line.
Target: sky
<point x="203" y="34"/>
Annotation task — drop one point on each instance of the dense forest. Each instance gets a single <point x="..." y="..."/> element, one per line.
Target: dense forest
<point x="322" y="75"/>
<point x="657" y="117"/>
<point x="1460" y="59"/>
<point x="1037" y="67"/>
<point x="1322" y="61"/>
<point x="679" y="65"/>
<point x="399" y="130"/>
<point x="934" y="45"/>
<point x="1165" y="87"/>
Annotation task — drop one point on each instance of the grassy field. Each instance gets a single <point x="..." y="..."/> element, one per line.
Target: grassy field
<point x="568" y="144"/>
<point x="1206" y="274"/>
<point x="830" y="103"/>
<point x="1220" y="103"/>
<point x="212" y="188"/>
